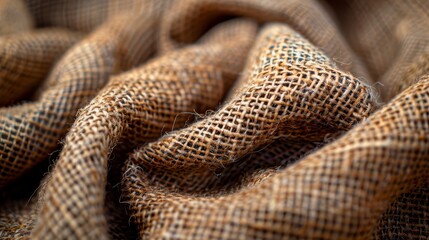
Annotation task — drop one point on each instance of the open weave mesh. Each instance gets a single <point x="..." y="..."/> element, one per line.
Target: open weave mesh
<point x="214" y="119"/>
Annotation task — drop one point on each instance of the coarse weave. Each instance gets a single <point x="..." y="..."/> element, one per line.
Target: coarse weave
<point x="214" y="119"/>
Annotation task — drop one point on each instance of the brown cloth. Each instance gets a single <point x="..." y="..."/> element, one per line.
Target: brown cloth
<point x="214" y="119"/>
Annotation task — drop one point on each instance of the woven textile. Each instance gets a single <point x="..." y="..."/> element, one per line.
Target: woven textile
<point x="214" y="119"/>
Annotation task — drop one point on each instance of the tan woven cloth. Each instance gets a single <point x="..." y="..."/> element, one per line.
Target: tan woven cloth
<point x="214" y="119"/>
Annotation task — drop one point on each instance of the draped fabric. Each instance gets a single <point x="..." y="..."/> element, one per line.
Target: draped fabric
<point x="214" y="119"/>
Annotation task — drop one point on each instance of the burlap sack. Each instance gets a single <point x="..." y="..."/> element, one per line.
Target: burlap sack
<point x="201" y="119"/>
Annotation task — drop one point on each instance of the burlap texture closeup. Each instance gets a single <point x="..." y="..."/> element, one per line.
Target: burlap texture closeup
<point x="343" y="177"/>
<point x="214" y="119"/>
<point x="27" y="58"/>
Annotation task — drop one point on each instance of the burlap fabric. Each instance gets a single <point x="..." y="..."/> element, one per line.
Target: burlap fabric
<point x="214" y="119"/>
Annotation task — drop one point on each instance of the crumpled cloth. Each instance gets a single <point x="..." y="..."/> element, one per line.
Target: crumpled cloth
<point x="214" y="119"/>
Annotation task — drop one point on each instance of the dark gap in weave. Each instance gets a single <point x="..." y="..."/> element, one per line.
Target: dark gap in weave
<point x="118" y="223"/>
<point x="26" y="187"/>
<point x="217" y="18"/>
<point x="236" y="175"/>
<point x="411" y="208"/>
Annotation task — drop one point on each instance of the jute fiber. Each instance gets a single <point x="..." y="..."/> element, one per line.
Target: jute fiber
<point x="214" y="119"/>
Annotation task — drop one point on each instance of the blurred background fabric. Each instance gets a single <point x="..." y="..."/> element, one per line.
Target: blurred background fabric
<point x="214" y="119"/>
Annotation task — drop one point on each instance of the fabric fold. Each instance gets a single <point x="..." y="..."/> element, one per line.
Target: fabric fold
<point x="214" y="119"/>
<point x="196" y="78"/>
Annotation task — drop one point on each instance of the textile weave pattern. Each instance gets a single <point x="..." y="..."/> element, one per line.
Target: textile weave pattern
<point x="214" y="119"/>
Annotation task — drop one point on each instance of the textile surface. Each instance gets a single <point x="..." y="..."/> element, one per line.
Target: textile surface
<point x="214" y="119"/>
